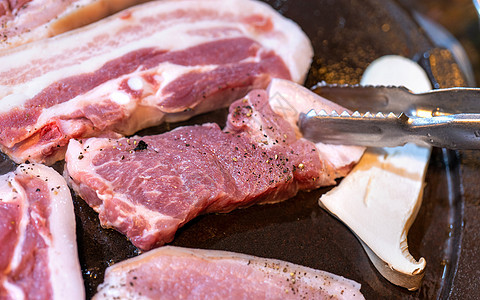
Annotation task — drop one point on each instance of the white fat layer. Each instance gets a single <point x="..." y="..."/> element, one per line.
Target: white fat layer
<point x="85" y="50"/>
<point x="381" y="196"/>
<point x="64" y="267"/>
<point x="17" y="194"/>
<point x="11" y="100"/>
<point x="13" y="290"/>
<point x="120" y="97"/>
<point x="332" y="284"/>
<point x="75" y="167"/>
<point x="6" y="188"/>
<point x="63" y="264"/>
<point x="70" y="14"/>
<point x="135" y="83"/>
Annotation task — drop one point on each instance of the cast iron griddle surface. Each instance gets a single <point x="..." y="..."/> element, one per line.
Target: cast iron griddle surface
<point x="347" y="36"/>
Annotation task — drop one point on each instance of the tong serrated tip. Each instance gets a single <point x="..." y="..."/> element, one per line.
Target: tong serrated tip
<point x="324" y="84"/>
<point x="460" y="131"/>
<point x="356" y="114"/>
<point x="448" y="118"/>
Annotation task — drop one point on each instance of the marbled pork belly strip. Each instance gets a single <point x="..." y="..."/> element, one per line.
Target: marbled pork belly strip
<point x="148" y="187"/>
<point x="181" y="273"/>
<point x="25" y="21"/>
<point x="163" y="60"/>
<point x="38" y="248"/>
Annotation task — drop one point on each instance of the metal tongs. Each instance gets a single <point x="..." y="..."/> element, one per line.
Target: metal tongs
<point x="393" y="116"/>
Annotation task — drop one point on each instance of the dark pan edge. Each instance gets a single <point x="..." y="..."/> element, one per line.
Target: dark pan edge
<point x="456" y="219"/>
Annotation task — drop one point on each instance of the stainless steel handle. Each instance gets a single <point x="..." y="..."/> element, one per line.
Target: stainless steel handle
<point x="457" y="131"/>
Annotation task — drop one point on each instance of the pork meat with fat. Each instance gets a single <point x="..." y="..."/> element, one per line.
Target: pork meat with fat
<point x="147" y="187"/>
<point x="159" y="61"/>
<point x="38" y="248"/>
<point x="25" y="21"/>
<point x="181" y="273"/>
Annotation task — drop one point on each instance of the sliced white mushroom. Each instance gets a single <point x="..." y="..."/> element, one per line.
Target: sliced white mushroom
<point x="380" y="198"/>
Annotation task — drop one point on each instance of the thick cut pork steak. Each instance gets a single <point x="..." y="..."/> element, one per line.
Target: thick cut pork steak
<point x="38" y="248"/>
<point x="163" y="60"/>
<point x="147" y="187"/>
<point x="180" y="273"/>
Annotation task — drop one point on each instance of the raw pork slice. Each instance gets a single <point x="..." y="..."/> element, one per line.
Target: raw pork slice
<point x="38" y="249"/>
<point x="147" y="187"/>
<point x="289" y="100"/>
<point x="24" y="21"/>
<point x="181" y="273"/>
<point x="163" y="60"/>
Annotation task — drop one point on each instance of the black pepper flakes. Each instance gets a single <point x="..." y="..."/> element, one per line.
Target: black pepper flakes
<point x="141" y="146"/>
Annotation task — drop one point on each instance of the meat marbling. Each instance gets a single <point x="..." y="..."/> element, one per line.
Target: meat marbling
<point x="147" y="187"/>
<point x="163" y="60"/>
<point x="38" y="249"/>
<point x="181" y="273"/>
<point x="24" y="21"/>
